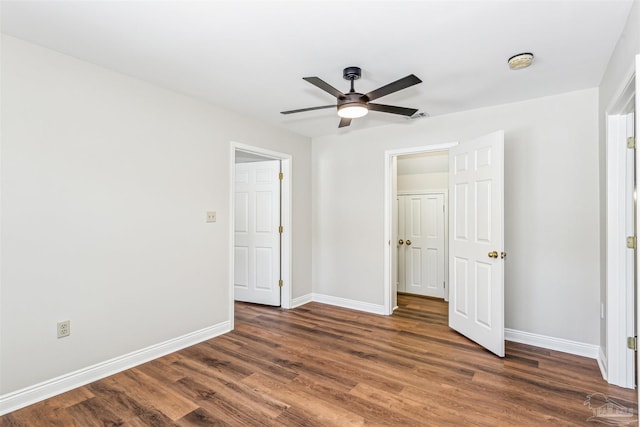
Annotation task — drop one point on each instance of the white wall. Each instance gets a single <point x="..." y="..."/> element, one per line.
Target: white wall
<point x="105" y="181"/>
<point x="551" y="209"/>
<point x="418" y="182"/>
<point x="617" y="74"/>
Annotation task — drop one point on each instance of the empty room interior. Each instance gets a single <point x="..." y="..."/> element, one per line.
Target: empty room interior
<point x="318" y="213"/>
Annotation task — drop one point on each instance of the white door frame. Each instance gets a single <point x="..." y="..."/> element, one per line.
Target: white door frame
<point x="286" y="197"/>
<point x="390" y="193"/>
<point x="618" y="364"/>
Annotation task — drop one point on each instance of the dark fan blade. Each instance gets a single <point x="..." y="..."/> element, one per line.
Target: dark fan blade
<point x="344" y="122"/>
<point x="307" y="109"/>
<point x="324" y="86"/>
<point x="392" y="109"/>
<point x="403" y="83"/>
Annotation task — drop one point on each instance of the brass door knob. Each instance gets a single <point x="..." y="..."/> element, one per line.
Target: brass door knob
<point x="493" y="254"/>
<point x="400" y="242"/>
<point x="408" y="242"/>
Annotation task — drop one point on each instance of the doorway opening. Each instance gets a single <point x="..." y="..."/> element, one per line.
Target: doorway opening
<point x="260" y="227"/>
<point x="415" y="163"/>
<point x="421" y="224"/>
<point x="476" y="242"/>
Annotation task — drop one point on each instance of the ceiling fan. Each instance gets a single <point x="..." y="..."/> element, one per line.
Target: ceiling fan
<point x="354" y="104"/>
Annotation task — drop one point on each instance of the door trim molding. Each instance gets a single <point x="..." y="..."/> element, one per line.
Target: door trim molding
<point x="422" y="193"/>
<point x="619" y="362"/>
<point x="389" y="195"/>
<point x="286" y="200"/>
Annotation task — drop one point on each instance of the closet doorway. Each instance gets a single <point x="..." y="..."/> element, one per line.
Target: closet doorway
<point x="240" y="271"/>
<point x="421" y="224"/>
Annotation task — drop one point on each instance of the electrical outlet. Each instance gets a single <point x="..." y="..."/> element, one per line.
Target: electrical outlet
<point x="64" y="329"/>
<point x="211" y="216"/>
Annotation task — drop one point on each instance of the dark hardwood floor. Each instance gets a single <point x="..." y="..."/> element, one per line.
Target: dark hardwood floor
<point x="319" y="365"/>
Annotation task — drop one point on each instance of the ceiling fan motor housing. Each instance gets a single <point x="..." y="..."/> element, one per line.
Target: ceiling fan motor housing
<point x="352" y="98"/>
<point x="352" y="73"/>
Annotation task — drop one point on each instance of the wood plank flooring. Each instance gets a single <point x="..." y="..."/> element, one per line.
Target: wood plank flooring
<point x="320" y="365"/>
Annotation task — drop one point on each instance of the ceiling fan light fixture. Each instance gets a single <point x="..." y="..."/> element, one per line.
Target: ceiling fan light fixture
<point x="352" y="104"/>
<point x="352" y="111"/>
<point x="520" y="61"/>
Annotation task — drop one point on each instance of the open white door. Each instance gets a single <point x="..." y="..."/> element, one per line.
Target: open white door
<point x="257" y="236"/>
<point x="476" y="240"/>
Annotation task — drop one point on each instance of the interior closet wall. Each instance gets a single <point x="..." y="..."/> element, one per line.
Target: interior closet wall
<point x="424" y="172"/>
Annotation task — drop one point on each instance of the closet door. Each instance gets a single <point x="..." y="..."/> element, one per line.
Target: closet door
<point x="424" y="244"/>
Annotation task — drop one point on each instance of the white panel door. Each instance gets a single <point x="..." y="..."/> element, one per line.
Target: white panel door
<point x="257" y="237"/>
<point x="476" y="221"/>
<point x="424" y="245"/>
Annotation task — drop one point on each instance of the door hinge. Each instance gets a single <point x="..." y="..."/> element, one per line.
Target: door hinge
<point x="280" y="283"/>
<point x="631" y="242"/>
<point x="631" y="142"/>
<point x="632" y="343"/>
<point x="280" y="229"/>
<point x="280" y="176"/>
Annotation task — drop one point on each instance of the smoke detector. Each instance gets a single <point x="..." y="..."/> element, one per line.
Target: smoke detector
<point x="521" y="60"/>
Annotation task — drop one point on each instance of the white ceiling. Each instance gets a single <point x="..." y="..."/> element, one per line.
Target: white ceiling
<point x="250" y="57"/>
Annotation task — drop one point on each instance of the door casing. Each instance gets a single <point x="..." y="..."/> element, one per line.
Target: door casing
<point x="618" y="365"/>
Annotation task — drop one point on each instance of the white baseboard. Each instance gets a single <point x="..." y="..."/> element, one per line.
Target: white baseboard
<point x="559" y="344"/>
<point x="602" y="364"/>
<point x="305" y="299"/>
<point x="349" y="303"/>
<point x="29" y="395"/>
<point x="19" y="399"/>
